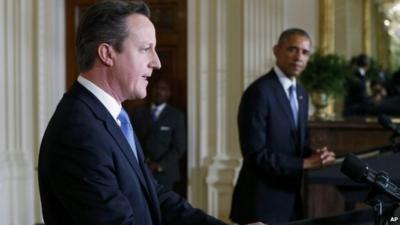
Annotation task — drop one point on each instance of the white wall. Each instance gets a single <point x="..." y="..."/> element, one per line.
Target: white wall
<point x="302" y="14"/>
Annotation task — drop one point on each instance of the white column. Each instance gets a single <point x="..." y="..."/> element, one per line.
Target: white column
<point x="49" y="55"/>
<point x="348" y="29"/>
<point x="16" y="135"/>
<point x="32" y="62"/>
<point x="229" y="45"/>
<point x="263" y="22"/>
<point x="214" y="84"/>
<point x="304" y="14"/>
<point x="197" y="98"/>
<point x="225" y="78"/>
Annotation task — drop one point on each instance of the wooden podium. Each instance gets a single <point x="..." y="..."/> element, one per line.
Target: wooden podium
<point x="348" y="136"/>
<point x="342" y="137"/>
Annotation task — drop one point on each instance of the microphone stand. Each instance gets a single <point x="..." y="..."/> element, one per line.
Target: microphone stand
<point x="383" y="205"/>
<point x="378" y="212"/>
<point x="394" y="140"/>
<point x="383" y="209"/>
<point x="378" y="201"/>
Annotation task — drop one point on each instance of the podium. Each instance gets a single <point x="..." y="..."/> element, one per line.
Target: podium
<point x="357" y="217"/>
<point x="355" y="192"/>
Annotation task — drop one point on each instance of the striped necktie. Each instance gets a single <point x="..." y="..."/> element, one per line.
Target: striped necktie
<point x="294" y="105"/>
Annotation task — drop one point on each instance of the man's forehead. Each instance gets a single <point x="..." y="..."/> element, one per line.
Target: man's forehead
<point x="139" y="24"/>
<point x="297" y="38"/>
<point x="298" y="41"/>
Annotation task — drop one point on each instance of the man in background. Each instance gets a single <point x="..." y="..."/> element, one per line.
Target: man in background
<point x="356" y="100"/>
<point x="161" y="130"/>
<point x="273" y="134"/>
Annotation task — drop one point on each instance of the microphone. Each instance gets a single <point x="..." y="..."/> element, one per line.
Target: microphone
<point x="360" y="172"/>
<point x="387" y="123"/>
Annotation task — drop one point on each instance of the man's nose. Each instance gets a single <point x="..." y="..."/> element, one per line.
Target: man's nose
<point x="299" y="55"/>
<point x="156" y="63"/>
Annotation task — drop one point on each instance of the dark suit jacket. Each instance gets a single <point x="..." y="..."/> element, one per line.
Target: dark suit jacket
<point x="88" y="174"/>
<point x="356" y="100"/>
<point x="163" y="141"/>
<point x="269" y="183"/>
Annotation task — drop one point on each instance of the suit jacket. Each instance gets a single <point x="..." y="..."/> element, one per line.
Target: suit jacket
<point x="163" y="141"/>
<point x="356" y="100"/>
<point x="89" y="175"/>
<point x="269" y="182"/>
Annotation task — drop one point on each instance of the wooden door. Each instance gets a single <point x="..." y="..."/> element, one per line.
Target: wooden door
<point x="169" y="18"/>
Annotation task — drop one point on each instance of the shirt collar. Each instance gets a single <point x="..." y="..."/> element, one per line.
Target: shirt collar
<point x="362" y="71"/>
<point x="284" y="80"/>
<point x="111" y="104"/>
<point x="159" y="107"/>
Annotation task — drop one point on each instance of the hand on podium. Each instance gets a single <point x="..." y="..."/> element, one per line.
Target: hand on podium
<point x="319" y="158"/>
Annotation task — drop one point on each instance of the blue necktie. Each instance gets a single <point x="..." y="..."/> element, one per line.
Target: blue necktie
<point x="293" y="103"/>
<point x="154" y="114"/>
<point x="127" y="129"/>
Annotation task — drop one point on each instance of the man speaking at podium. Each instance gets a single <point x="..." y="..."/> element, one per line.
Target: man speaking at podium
<point x="91" y="166"/>
<point x="272" y="121"/>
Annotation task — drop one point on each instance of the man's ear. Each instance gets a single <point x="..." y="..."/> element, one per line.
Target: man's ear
<point x="106" y="54"/>
<point x="275" y="50"/>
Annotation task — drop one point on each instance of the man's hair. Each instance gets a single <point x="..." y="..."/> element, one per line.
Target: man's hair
<point x="286" y="34"/>
<point x="104" y="22"/>
<point x="362" y="60"/>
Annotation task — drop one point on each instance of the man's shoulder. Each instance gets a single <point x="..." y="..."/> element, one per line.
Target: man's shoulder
<point x="74" y="122"/>
<point x="72" y="110"/>
<point x="171" y="113"/>
<point x="79" y="107"/>
<point x="263" y="83"/>
<point x="173" y="110"/>
<point x="79" y="98"/>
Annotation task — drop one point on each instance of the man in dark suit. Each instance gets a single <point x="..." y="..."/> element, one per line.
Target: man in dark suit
<point x="160" y="128"/>
<point x="273" y="135"/>
<point x="356" y="101"/>
<point x="91" y="166"/>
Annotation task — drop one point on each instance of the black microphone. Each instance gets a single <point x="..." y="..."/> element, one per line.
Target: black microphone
<point x="360" y="172"/>
<point x="387" y="123"/>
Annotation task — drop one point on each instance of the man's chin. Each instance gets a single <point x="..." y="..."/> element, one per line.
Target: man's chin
<point x="142" y="96"/>
<point x="138" y="96"/>
<point x="297" y="74"/>
<point x="293" y="75"/>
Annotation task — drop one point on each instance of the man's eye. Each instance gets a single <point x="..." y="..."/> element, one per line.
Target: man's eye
<point x="306" y="52"/>
<point x="146" y="49"/>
